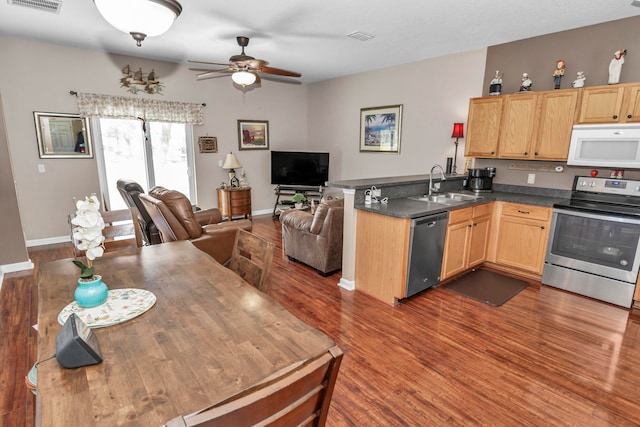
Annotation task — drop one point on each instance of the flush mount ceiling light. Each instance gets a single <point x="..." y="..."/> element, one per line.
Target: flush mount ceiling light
<point x="140" y="18"/>
<point x="243" y="78"/>
<point x="635" y="3"/>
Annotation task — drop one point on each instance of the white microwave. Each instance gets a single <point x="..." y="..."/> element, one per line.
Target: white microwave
<point x="613" y="145"/>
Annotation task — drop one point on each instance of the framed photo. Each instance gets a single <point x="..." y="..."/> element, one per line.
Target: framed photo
<point x="380" y="129"/>
<point x="253" y="134"/>
<point x="208" y="144"/>
<point x="63" y="136"/>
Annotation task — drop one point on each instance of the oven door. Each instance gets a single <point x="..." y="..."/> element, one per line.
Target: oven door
<point x="601" y="244"/>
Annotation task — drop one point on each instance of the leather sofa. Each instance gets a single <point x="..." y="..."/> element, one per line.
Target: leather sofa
<point x="130" y="192"/>
<point x="172" y="213"/>
<point x="315" y="239"/>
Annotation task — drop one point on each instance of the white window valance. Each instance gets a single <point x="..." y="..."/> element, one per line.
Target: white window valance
<point x="121" y="107"/>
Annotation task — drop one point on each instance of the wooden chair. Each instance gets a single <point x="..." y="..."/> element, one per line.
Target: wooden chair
<point x="251" y="259"/>
<point x="296" y="398"/>
<point x="121" y="230"/>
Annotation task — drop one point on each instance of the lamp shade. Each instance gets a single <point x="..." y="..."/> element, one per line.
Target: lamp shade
<point x="458" y="130"/>
<point x="140" y="18"/>
<point x="243" y="78"/>
<point x="231" y="162"/>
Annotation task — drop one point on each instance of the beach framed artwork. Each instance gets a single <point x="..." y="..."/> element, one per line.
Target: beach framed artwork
<point x="380" y="129"/>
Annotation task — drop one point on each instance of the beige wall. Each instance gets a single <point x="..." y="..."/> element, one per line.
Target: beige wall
<point x="12" y="249"/>
<point x="39" y="76"/>
<point x="434" y="93"/>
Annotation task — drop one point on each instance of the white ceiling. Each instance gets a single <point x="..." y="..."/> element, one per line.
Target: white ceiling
<point x="309" y="37"/>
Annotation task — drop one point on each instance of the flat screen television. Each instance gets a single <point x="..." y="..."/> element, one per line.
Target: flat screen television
<point x="299" y="168"/>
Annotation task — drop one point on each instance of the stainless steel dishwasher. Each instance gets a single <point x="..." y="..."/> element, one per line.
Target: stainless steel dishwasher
<point x="425" y="252"/>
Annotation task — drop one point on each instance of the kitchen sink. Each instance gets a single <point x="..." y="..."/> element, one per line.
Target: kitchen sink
<point x="447" y="198"/>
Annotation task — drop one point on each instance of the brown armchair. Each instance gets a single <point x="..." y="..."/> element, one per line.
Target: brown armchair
<point x="315" y="240"/>
<point x="172" y="213"/>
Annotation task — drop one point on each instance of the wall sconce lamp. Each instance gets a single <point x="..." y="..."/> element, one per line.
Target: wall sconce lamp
<point x="140" y="18"/>
<point x="231" y="163"/>
<point x="458" y="132"/>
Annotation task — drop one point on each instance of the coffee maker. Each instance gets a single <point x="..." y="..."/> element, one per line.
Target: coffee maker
<point x="479" y="180"/>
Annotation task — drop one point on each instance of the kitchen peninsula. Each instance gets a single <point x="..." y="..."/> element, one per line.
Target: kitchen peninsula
<point x="376" y="236"/>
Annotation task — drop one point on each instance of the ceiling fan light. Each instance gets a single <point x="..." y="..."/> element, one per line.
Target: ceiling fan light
<point x="243" y="78"/>
<point x="146" y="17"/>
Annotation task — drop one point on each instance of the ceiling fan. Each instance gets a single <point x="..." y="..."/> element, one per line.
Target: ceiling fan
<point x="244" y="69"/>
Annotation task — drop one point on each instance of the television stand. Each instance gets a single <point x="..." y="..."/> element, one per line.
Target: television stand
<point x="311" y="192"/>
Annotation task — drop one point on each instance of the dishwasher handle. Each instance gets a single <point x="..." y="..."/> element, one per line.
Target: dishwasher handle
<point x="431" y="220"/>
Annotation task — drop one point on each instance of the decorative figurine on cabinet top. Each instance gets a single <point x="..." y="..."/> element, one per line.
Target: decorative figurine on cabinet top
<point x="579" y="81"/>
<point x="526" y="83"/>
<point x="615" y="66"/>
<point x="495" y="88"/>
<point x="558" y="73"/>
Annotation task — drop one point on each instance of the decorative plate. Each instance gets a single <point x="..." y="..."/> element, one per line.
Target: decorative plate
<point x="121" y="305"/>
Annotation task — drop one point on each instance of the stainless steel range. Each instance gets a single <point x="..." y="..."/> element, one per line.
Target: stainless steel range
<point x="593" y="245"/>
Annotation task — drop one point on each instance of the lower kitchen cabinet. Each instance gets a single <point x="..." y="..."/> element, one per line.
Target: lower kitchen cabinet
<point x="466" y="242"/>
<point x="522" y="237"/>
<point x="382" y="253"/>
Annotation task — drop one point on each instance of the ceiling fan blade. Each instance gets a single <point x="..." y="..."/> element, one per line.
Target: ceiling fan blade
<point x="279" y="72"/>
<point x="213" y="76"/>
<point x="213" y="73"/>
<point x="283" y="80"/>
<point x="209" y="63"/>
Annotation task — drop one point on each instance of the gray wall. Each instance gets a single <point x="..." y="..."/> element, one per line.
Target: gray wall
<point x="588" y="49"/>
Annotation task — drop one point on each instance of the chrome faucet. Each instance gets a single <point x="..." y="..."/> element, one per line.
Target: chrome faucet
<point x="442" y="178"/>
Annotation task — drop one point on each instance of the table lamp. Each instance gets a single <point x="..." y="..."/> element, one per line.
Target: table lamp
<point x="458" y="132"/>
<point x="231" y="163"/>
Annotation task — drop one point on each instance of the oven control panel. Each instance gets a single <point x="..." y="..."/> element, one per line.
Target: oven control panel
<point x="625" y="187"/>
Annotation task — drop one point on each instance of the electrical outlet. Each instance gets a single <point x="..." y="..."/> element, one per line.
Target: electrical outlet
<point x="531" y="178"/>
<point x="376" y="193"/>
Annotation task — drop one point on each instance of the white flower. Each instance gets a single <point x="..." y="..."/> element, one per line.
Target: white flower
<point x="88" y="227"/>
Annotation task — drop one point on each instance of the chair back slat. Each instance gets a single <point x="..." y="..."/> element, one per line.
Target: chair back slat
<point x="298" y="397"/>
<point x="252" y="258"/>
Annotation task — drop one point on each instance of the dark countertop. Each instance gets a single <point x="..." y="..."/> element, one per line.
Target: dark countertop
<point x="407" y="208"/>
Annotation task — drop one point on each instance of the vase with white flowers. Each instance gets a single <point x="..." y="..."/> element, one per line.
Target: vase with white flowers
<point x="87" y="235"/>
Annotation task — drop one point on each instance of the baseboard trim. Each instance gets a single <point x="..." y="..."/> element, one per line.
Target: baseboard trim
<point x="349" y="285"/>
<point x="48" y="241"/>
<point x="18" y="266"/>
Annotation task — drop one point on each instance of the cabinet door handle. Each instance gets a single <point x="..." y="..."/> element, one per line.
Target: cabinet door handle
<point x="615" y="116"/>
<point x="526" y="153"/>
<point x="542" y="227"/>
<point x="535" y="154"/>
<point x="629" y="116"/>
<point x="524" y="212"/>
<point x="493" y="152"/>
<point x="470" y="225"/>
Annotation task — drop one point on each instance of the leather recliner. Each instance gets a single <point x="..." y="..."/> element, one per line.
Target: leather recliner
<point x="315" y="239"/>
<point x="130" y="192"/>
<point x="172" y="213"/>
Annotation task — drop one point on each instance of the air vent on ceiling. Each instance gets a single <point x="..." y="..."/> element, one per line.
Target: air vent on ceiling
<point x="52" y="6"/>
<point x="359" y="35"/>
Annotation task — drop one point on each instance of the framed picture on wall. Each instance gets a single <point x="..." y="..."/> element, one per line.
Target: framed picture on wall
<point x="253" y="134"/>
<point x="208" y="144"/>
<point x="380" y="129"/>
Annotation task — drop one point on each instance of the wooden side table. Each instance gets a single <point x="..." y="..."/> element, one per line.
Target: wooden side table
<point x="234" y="201"/>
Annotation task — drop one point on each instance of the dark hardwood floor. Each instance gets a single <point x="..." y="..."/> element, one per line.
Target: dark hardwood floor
<point x="546" y="357"/>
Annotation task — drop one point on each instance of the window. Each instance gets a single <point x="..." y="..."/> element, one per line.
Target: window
<point x="150" y="153"/>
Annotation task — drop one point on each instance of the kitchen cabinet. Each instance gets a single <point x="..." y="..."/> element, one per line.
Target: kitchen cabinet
<point x="522" y="236"/>
<point x="610" y="104"/>
<point x="483" y="126"/>
<point x="533" y="126"/>
<point x="382" y="253"/>
<point x="466" y="240"/>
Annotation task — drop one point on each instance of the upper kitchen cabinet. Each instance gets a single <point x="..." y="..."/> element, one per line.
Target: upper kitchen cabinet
<point x="483" y="126"/>
<point x="610" y="104"/>
<point x="557" y="115"/>
<point x="518" y="125"/>
<point x="532" y="126"/>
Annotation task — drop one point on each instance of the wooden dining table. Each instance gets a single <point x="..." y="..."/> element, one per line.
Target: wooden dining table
<point x="209" y="336"/>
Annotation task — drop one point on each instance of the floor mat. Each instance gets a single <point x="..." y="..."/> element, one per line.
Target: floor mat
<point x="487" y="287"/>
